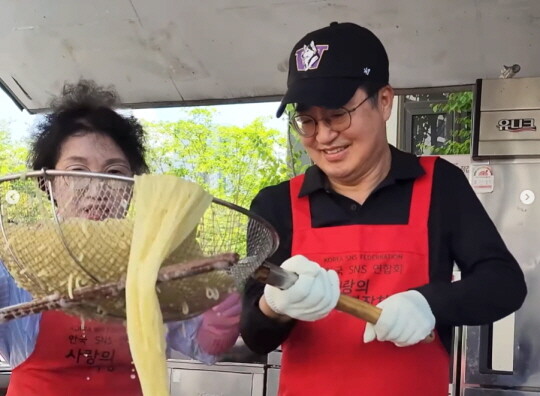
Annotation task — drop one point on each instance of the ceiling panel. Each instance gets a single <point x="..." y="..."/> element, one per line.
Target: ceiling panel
<point x="180" y="52"/>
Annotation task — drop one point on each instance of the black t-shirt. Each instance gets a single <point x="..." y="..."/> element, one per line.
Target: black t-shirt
<point x="460" y="232"/>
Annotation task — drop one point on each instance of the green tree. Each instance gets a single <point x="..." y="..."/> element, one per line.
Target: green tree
<point x="233" y="163"/>
<point x="13" y="153"/>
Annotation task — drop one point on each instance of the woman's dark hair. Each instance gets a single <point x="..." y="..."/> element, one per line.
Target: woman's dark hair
<point x="85" y="107"/>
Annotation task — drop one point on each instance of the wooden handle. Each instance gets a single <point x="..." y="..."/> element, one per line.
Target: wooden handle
<point x="365" y="311"/>
<point x="358" y="308"/>
<point x="113" y="289"/>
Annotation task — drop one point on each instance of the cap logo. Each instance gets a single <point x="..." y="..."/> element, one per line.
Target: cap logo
<point x="309" y="56"/>
<point x="367" y="70"/>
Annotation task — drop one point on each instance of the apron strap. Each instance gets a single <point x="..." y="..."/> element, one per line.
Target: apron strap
<point x="301" y="213"/>
<point x="421" y="195"/>
<point x="420" y="201"/>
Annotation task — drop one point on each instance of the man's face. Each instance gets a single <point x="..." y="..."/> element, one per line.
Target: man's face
<point x="347" y="156"/>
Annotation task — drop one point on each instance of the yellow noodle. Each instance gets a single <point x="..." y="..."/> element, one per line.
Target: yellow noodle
<point x="167" y="210"/>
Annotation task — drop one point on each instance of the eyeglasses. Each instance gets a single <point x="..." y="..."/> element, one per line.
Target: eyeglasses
<point x="338" y="120"/>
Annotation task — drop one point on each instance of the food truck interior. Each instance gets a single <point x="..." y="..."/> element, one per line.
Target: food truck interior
<point x="185" y="53"/>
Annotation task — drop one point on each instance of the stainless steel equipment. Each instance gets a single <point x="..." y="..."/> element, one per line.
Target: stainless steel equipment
<point x="504" y="359"/>
<point x="5" y="373"/>
<point x="272" y="372"/>
<point x="190" y="378"/>
<point x="505" y="118"/>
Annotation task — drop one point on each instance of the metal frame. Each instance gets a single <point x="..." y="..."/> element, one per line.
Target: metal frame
<point x="412" y="109"/>
<point x="406" y="110"/>
<point x="167" y="104"/>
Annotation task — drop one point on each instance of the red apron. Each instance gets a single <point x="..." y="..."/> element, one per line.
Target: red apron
<point x="70" y="360"/>
<point x="328" y="357"/>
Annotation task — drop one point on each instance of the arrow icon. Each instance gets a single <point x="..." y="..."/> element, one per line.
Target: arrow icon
<point x="527" y="197"/>
<point x="12" y="197"/>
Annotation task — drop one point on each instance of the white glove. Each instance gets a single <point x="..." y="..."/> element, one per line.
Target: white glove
<point x="312" y="297"/>
<point x="406" y="319"/>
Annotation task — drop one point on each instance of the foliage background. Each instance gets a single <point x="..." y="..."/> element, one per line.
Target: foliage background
<point x="233" y="163"/>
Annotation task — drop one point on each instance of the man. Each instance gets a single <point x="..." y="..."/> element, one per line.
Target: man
<point x="377" y="224"/>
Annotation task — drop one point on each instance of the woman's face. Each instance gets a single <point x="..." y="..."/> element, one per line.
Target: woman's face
<point x="92" y="198"/>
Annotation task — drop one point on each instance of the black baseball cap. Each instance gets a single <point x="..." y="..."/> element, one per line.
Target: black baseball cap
<point x="327" y="65"/>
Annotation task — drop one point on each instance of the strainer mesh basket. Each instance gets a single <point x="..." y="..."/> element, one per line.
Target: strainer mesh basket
<point x="63" y="230"/>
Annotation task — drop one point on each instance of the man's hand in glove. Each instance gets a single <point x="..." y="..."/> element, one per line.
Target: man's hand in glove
<point x="312" y="297"/>
<point x="406" y="319"/>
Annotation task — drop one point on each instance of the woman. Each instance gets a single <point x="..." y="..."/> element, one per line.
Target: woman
<point x="52" y="354"/>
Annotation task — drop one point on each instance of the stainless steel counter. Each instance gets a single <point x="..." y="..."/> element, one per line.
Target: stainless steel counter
<point x="192" y="378"/>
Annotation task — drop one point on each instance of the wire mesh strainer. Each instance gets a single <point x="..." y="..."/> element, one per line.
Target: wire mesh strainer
<point x="62" y="230"/>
